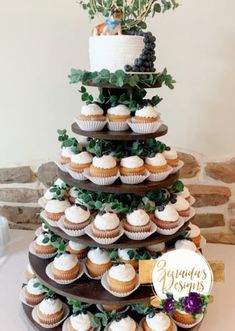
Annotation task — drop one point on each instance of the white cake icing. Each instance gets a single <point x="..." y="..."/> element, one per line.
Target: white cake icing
<point x="123" y="253"/>
<point x="119" y="110"/>
<point x="65" y="262"/>
<point x="45" y="228"/>
<point x="169" y="214"/>
<point x="157" y="247"/>
<point x="82" y="158"/>
<point x="122" y="272"/>
<point x="160" y="322"/>
<point x="181" y="204"/>
<point x="48" y="195"/>
<point x="81" y="322"/>
<point x="73" y="192"/>
<point x="91" y="109"/>
<point x="185" y="244"/>
<point x="67" y="152"/>
<point x="194" y="231"/>
<point x="132" y="162"/>
<point x="138" y="217"/>
<point x="40" y="239"/>
<point x="157" y="160"/>
<point x="76" y="214"/>
<point x="114" y="52"/>
<point x="59" y="182"/>
<point x="50" y="306"/>
<point x="171" y="154"/>
<point x="57" y="206"/>
<point x="185" y="193"/>
<point x="147" y="111"/>
<point x="125" y="324"/>
<point x="98" y="256"/>
<point x="76" y="246"/>
<point x="104" y="162"/>
<point x="34" y="290"/>
<point x="108" y="221"/>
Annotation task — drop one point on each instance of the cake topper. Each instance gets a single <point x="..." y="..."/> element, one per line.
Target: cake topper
<point x="112" y="25"/>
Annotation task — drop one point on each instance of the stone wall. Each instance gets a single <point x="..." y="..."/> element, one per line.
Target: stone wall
<point x="211" y="183"/>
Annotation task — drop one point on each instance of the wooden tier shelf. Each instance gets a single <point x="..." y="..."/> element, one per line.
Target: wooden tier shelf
<point x="118" y="187"/>
<point x="118" y="136"/>
<point x="123" y="242"/>
<point x="125" y="87"/>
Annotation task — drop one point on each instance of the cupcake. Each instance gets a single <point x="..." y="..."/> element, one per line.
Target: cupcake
<point x="65" y="154"/>
<point x="120" y="113"/>
<point x="195" y="234"/>
<point x="92" y="112"/>
<point x="43" y="245"/>
<point x="80" y="250"/>
<point x="182" y="206"/>
<point x="76" y="218"/>
<point x="156" y="164"/>
<point x="184" y="318"/>
<point x="138" y="221"/>
<point x="29" y="272"/>
<point x="157" y="322"/>
<point x="104" y="166"/>
<point x="73" y="195"/>
<point x="166" y="217"/>
<point x="157" y="249"/>
<point x="48" y="195"/>
<point x="80" y="322"/>
<point x="62" y="185"/>
<point x="50" y="311"/>
<point x="185" y="244"/>
<point x="125" y="323"/>
<point x="132" y="166"/>
<point x="124" y="257"/>
<point x="147" y="114"/>
<point x="171" y="156"/>
<point x="55" y="209"/>
<point x="98" y="262"/>
<point x="185" y="194"/>
<point x="122" y="278"/>
<point x="80" y="162"/>
<point x="33" y="295"/>
<point x="106" y="226"/>
<point x="113" y="307"/>
<point x="65" y="267"/>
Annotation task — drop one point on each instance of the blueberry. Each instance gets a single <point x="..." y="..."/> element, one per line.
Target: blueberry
<point x="154" y="58"/>
<point x="142" y="69"/>
<point x="136" y="69"/>
<point x="128" y="68"/>
<point x="167" y="148"/>
<point x="138" y="62"/>
<point x="149" y="34"/>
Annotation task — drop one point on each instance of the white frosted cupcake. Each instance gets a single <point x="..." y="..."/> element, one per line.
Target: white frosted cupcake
<point x="124" y="257"/>
<point x="55" y="209"/>
<point x="65" y="154"/>
<point x="157" y="248"/>
<point x="92" y="112"/>
<point x="61" y="184"/>
<point x="78" y="249"/>
<point x="138" y="221"/>
<point x="76" y="218"/>
<point x="156" y="164"/>
<point x="120" y="113"/>
<point x="73" y="194"/>
<point x="124" y="324"/>
<point x="182" y="206"/>
<point x="50" y="311"/>
<point x="48" y="195"/>
<point x="157" y="322"/>
<point x="185" y="194"/>
<point x="104" y="166"/>
<point x="122" y="278"/>
<point x="185" y="244"/>
<point x="132" y="166"/>
<point x="107" y="225"/>
<point x="43" y="245"/>
<point x="80" y="322"/>
<point x="65" y="267"/>
<point x="147" y="114"/>
<point x="80" y="162"/>
<point x="29" y="272"/>
<point x="171" y="156"/>
<point x="33" y="294"/>
<point x="166" y="217"/>
<point x="98" y="262"/>
<point x="195" y="234"/>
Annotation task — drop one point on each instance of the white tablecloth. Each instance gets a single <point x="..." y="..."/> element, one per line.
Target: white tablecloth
<point x="220" y="316"/>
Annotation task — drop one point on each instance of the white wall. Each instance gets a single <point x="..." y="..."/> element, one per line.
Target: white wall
<point x="41" y="40"/>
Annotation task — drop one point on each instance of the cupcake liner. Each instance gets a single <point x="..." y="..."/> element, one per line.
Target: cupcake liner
<point x="202" y="242"/>
<point x="102" y="241"/>
<point x="104" y="181"/>
<point x="72" y="233"/>
<point x="49" y="326"/>
<point x="41" y="256"/>
<point x="75" y="175"/>
<point x="41" y="202"/>
<point x="189" y="326"/>
<point x="23" y="299"/>
<point x="158" y="177"/>
<point x="65" y="325"/>
<point x="192" y="200"/>
<point x="50" y="222"/>
<point x="179" y="166"/>
<point x="145" y="127"/>
<point x="105" y="285"/>
<point x="138" y="328"/>
<point x="90" y="125"/>
<point x="60" y="165"/>
<point x="100" y="308"/>
<point x="136" y="179"/>
<point x="89" y="276"/>
<point x="169" y="232"/>
<point x="118" y="126"/>
<point x="191" y="215"/>
<point x="64" y="282"/>
<point x="174" y="325"/>
<point x="141" y="235"/>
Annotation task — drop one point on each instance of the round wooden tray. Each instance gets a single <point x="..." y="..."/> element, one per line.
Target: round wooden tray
<point x="123" y="242"/>
<point x="118" y="187"/>
<point x="124" y="135"/>
<point x="125" y="87"/>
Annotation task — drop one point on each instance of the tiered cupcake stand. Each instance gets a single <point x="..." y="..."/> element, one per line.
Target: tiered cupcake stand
<point x="85" y="289"/>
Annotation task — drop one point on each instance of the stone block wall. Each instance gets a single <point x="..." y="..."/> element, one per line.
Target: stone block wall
<point x="211" y="183"/>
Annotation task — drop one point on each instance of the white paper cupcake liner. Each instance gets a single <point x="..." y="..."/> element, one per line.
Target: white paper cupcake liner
<point x="118" y="126"/>
<point x="101" y="309"/>
<point x="65" y="325"/>
<point x="133" y="180"/>
<point x="50" y="222"/>
<point x="75" y="175"/>
<point x="50" y="326"/>
<point x="64" y="282"/>
<point x="41" y="256"/>
<point x="138" y="328"/>
<point x="191" y="215"/>
<point x="41" y="202"/>
<point x="174" y="325"/>
<point x="187" y="326"/>
<point x="72" y="233"/>
<point x="105" y="284"/>
<point x="103" y="181"/>
<point x="102" y="241"/>
<point x="60" y="165"/>
<point x="158" y="177"/>
<point x="169" y="232"/>
<point x="23" y="299"/>
<point x="180" y="165"/>
<point x="145" y="127"/>
<point x="141" y="235"/>
<point x="90" y="125"/>
<point x="192" y="200"/>
<point x="88" y="275"/>
<point x="202" y="242"/>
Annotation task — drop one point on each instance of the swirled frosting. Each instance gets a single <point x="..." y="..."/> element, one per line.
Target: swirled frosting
<point x="194" y="231"/>
<point x="160" y="322"/>
<point x="157" y="160"/>
<point x="185" y="244"/>
<point x="50" y="306"/>
<point x="67" y="152"/>
<point x="169" y="214"/>
<point x="147" y="111"/>
<point x="104" y="162"/>
<point x="132" y="162"/>
<point x="57" y="206"/>
<point x="65" y="262"/>
<point x="82" y="158"/>
<point x="76" y="246"/>
<point x="125" y="324"/>
<point x="81" y="322"/>
<point x="119" y="110"/>
<point x="98" y="256"/>
<point x="91" y="109"/>
<point x="32" y="289"/>
<point x="59" y="182"/>
<point x="76" y="214"/>
<point x="171" y="154"/>
<point x="73" y="192"/>
<point x="185" y="193"/>
<point x="40" y="239"/>
<point x="123" y="253"/>
<point x="122" y="272"/>
<point x="48" y="195"/>
<point x="181" y="204"/>
<point x="108" y="221"/>
<point x="138" y="217"/>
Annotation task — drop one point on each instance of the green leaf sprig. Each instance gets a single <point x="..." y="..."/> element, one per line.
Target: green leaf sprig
<point x="67" y="141"/>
